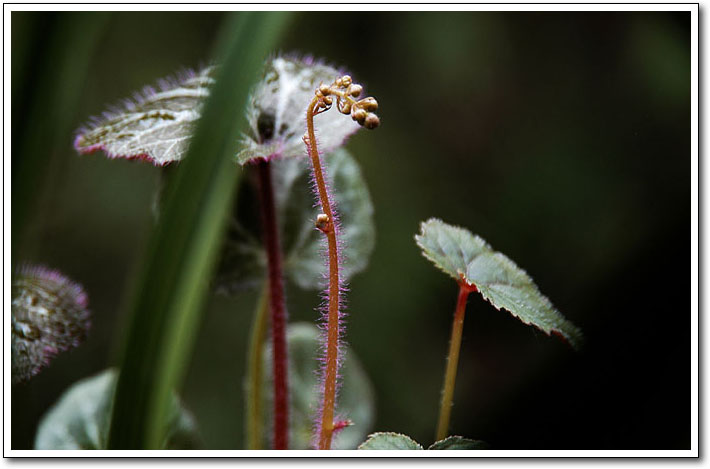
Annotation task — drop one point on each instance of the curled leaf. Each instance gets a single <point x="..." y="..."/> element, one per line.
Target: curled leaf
<point x="80" y="418"/>
<point x="277" y="110"/>
<point x="468" y="258"/>
<point x="356" y="410"/>
<point x="155" y="125"/>
<point x="243" y="260"/>
<point x="49" y="316"/>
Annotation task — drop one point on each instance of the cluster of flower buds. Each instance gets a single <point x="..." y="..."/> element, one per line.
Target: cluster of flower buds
<point x="344" y="91"/>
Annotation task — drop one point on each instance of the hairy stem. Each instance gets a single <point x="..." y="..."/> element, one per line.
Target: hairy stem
<point x="331" y="358"/>
<point x="447" y="394"/>
<point x="255" y="371"/>
<point x="276" y="304"/>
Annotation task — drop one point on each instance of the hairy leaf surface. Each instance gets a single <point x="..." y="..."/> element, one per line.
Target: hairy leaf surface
<point x="243" y="261"/>
<point x="389" y="440"/>
<point x="355" y="401"/>
<point x="277" y="111"/>
<point x="156" y="125"/>
<point x="458" y="442"/>
<point x="80" y="418"/>
<point x="467" y="257"/>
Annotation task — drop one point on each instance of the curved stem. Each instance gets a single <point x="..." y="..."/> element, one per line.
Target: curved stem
<point x="277" y="305"/>
<point x="331" y="357"/>
<point x="255" y="371"/>
<point x="447" y="394"/>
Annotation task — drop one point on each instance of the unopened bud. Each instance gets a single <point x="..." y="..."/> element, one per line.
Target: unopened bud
<point x="359" y="115"/>
<point x="372" y="121"/>
<point x="324" y="89"/>
<point x="368" y="104"/>
<point x="346" y="80"/>
<point x="355" y="90"/>
<point x="323" y="222"/>
<point x="346" y="108"/>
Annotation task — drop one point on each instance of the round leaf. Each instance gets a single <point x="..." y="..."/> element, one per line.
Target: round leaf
<point x="389" y="440"/>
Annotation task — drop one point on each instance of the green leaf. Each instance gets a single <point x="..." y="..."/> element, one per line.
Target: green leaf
<point x="80" y="418"/>
<point x="155" y="125"/>
<point x="182" y="249"/>
<point x="244" y="259"/>
<point x="277" y="111"/>
<point x="389" y="440"/>
<point x="458" y="442"/>
<point x="469" y="259"/>
<point x="355" y="399"/>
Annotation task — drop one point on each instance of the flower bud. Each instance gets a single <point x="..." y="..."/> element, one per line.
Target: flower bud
<point x="324" y="89"/>
<point x="354" y="90"/>
<point x="372" y="121"/>
<point x="323" y="222"/>
<point x="346" y="80"/>
<point x="359" y="115"/>
<point x="369" y="104"/>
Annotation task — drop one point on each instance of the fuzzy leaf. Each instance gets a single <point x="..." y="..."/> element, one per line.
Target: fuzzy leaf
<point x="49" y="316"/>
<point x="243" y="261"/>
<point x="155" y="125"/>
<point x="468" y="258"/>
<point x="389" y="440"/>
<point x="355" y="400"/>
<point x="277" y="111"/>
<point x="458" y="442"/>
<point x="80" y="418"/>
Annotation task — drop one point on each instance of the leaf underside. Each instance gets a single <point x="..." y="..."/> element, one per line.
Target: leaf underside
<point x="355" y="399"/>
<point x="155" y="126"/>
<point x="467" y="257"/>
<point x="277" y="111"/>
<point x="80" y="418"/>
<point x="243" y="260"/>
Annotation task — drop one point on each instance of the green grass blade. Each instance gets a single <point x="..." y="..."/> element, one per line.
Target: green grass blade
<point x="183" y="245"/>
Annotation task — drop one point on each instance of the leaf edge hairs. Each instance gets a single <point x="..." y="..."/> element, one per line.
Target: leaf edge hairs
<point x="50" y="315"/>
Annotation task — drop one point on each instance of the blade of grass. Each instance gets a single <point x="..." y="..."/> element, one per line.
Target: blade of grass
<point x="183" y="246"/>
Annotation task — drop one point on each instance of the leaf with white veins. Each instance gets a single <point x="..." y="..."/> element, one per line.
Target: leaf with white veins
<point x="277" y="111"/>
<point x="155" y="126"/>
<point x="468" y="258"/>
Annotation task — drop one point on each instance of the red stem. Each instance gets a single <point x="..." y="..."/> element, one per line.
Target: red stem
<point x="277" y="303"/>
<point x="327" y="426"/>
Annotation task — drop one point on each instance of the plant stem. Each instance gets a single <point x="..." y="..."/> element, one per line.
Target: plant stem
<point x="447" y="394"/>
<point x="331" y="356"/>
<point x="255" y="371"/>
<point x="276" y="303"/>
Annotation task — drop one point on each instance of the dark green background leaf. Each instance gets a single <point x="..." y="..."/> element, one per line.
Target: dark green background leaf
<point x="244" y="259"/>
<point x="355" y="399"/>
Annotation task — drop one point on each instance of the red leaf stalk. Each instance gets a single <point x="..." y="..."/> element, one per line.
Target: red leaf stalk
<point x="277" y="305"/>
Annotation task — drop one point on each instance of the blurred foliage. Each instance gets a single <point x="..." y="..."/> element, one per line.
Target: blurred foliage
<point x="561" y="138"/>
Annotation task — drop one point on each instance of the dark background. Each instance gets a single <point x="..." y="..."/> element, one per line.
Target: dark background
<point x="561" y="138"/>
